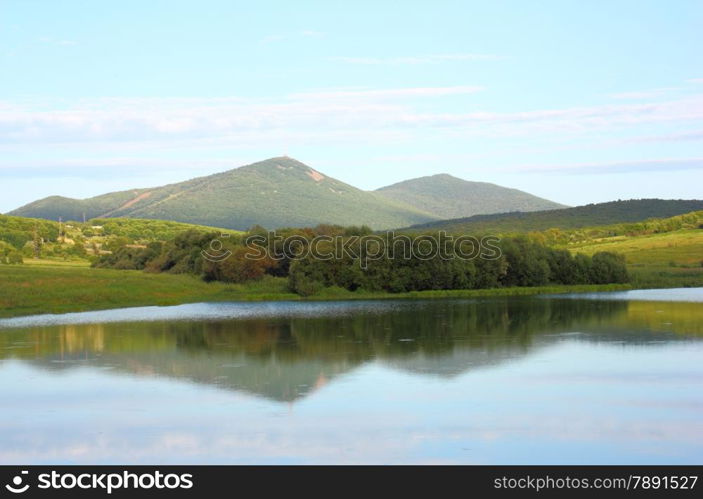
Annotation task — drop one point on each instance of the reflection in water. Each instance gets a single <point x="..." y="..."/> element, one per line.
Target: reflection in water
<point x="284" y="358"/>
<point x="504" y="381"/>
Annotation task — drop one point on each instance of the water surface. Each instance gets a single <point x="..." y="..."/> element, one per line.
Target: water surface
<point x="606" y="378"/>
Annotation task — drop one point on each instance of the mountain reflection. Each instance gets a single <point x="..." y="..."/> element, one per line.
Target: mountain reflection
<point x="286" y="358"/>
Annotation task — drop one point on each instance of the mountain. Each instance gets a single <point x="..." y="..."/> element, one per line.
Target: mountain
<point x="451" y="197"/>
<point x="273" y="193"/>
<point x="282" y="192"/>
<point x="614" y="212"/>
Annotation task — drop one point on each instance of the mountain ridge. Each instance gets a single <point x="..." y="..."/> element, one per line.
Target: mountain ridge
<point x="593" y="214"/>
<point x="470" y="198"/>
<point x="282" y="191"/>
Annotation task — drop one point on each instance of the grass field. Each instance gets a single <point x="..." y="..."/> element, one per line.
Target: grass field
<point x="671" y="259"/>
<point x="43" y="262"/>
<point x="38" y="289"/>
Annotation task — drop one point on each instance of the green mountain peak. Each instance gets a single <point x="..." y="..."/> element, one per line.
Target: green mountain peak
<point x="283" y="191"/>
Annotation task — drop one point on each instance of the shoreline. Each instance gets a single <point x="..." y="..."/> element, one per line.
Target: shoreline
<point x="55" y="290"/>
<point x="48" y="289"/>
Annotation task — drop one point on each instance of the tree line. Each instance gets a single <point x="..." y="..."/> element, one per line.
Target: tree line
<point x="555" y="236"/>
<point x="518" y="261"/>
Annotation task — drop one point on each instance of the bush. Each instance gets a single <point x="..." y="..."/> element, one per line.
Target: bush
<point x="305" y="286"/>
<point x="15" y="258"/>
<point x="608" y="268"/>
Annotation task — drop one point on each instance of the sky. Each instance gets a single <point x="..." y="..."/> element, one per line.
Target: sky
<point x="577" y="102"/>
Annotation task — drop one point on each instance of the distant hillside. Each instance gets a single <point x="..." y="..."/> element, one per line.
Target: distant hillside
<point x="17" y="231"/>
<point x="614" y="212"/>
<point x="451" y="197"/>
<point x="283" y="192"/>
<point x="273" y="193"/>
<point x="53" y="207"/>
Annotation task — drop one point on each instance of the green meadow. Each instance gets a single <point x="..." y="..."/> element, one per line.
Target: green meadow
<point x="35" y="289"/>
<point x="40" y="288"/>
<point x="665" y="260"/>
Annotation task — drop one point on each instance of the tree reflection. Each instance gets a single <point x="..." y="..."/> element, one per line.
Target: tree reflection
<point x="286" y="358"/>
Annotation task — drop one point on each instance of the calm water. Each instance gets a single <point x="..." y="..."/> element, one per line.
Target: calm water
<point x="605" y="378"/>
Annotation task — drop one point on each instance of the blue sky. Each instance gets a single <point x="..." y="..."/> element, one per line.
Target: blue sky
<point x="574" y="101"/>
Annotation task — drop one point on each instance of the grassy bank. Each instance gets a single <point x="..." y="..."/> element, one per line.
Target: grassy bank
<point x="42" y="288"/>
<point x="343" y="294"/>
<point x="35" y="289"/>
<point x="668" y="260"/>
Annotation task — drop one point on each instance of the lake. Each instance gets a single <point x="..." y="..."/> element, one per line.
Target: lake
<point x="606" y="378"/>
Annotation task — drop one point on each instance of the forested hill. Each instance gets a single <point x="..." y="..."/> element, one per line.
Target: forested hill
<point x="18" y="231"/>
<point x="274" y="193"/>
<point x="283" y="192"/>
<point x="613" y="212"/>
<point x="450" y="197"/>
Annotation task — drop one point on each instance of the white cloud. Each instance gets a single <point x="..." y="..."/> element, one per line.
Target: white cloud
<point x="692" y="135"/>
<point x="53" y="41"/>
<point x="279" y="37"/>
<point x="272" y="39"/>
<point x="635" y="166"/>
<point x="341" y="94"/>
<point x="427" y="59"/>
<point x="643" y="94"/>
<point x="120" y="120"/>
<point x="116" y="161"/>
<point x="332" y="115"/>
